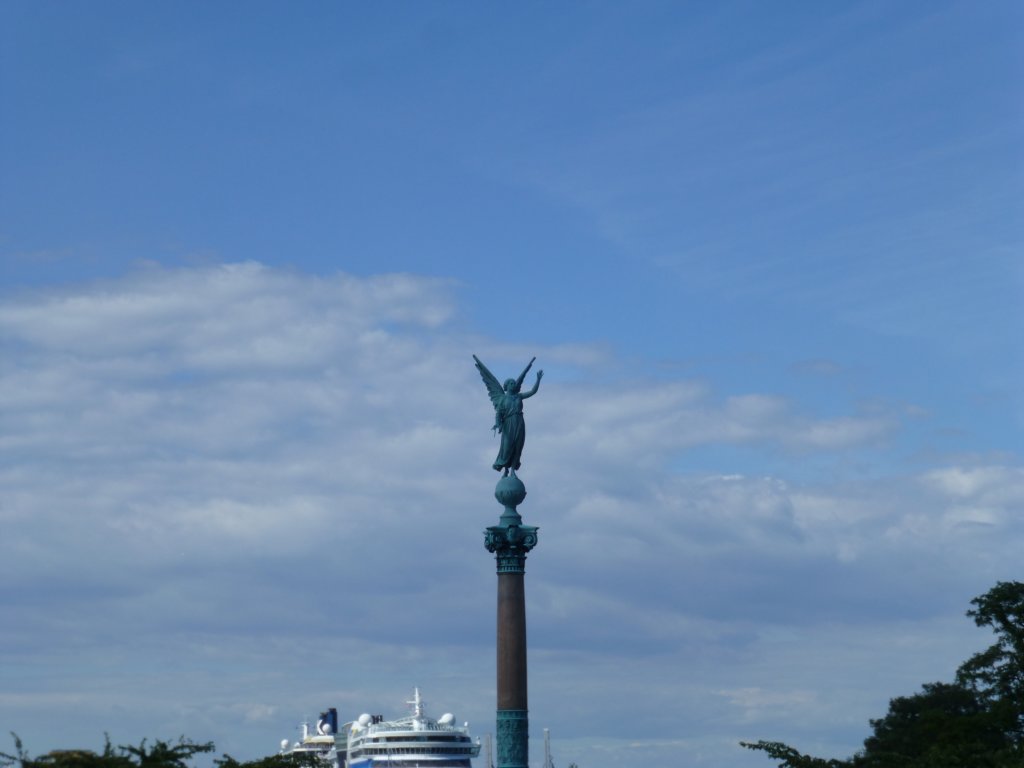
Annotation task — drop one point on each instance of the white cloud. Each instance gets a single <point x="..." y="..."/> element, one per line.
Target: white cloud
<point x="756" y="703"/>
<point x="1003" y="485"/>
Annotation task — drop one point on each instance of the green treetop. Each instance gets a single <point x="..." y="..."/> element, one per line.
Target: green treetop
<point x="975" y="722"/>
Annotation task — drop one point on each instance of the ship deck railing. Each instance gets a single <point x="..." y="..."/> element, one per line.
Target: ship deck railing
<point x="424" y="726"/>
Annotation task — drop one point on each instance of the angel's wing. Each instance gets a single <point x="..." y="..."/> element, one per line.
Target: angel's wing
<point x="494" y="388"/>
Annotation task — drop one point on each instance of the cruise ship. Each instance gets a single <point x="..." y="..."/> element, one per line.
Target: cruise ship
<point x="415" y="741"/>
<point x="321" y="741"/>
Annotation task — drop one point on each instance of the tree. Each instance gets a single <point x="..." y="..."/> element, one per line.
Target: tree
<point x="790" y="757"/>
<point x="165" y="755"/>
<point x="997" y="673"/>
<point x="162" y="754"/>
<point x="291" y="760"/>
<point x="944" y="724"/>
<point x="975" y="722"/>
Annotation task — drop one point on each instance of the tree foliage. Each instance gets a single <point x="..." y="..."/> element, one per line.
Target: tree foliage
<point x="944" y="724"/>
<point x="975" y="722"/>
<point x="997" y="673"/>
<point x="162" y="754"/>
<point x="293" y="760"/>
<point x="790" y="757"/>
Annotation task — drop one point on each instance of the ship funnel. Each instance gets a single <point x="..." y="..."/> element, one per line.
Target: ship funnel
<point x="327" y="723"/>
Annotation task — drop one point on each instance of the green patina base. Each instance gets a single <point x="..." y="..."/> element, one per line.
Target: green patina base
<point x="513" y="738"/>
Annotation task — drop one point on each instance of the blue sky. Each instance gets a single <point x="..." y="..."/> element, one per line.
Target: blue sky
<point x="768" y="255"/>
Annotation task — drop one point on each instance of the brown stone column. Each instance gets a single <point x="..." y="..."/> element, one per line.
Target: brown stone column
<point x="512" y="642"/>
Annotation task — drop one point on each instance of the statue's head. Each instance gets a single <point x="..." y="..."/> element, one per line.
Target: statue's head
<point x="510" y="386"/>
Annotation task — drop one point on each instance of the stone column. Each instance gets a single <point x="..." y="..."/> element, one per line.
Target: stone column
<point x="510" y="540"/>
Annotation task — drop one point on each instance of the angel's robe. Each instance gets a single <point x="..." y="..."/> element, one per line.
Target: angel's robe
<point x="508" y="408"/>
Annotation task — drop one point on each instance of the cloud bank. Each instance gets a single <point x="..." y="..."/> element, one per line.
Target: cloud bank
<point x="232" y="495"/>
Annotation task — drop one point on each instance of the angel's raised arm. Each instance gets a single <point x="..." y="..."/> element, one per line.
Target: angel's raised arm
<point x="536" y="385"/>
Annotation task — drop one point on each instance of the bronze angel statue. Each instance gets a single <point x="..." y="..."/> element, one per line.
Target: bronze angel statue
<point x="508" y="414"/>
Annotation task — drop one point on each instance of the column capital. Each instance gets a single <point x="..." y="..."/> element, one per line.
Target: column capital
<point x="510" y="542"/>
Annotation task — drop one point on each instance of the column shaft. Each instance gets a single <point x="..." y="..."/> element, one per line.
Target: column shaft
<point x="511" y="642"/>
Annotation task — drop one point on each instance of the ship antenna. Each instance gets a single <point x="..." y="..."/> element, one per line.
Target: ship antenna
<point x="547" y="749"/>
<point x="417" y="703"/>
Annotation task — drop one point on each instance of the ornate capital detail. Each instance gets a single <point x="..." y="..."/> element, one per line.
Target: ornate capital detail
<point x="510" y="543"/>
<point x="510" y="540"/>
<point x="513" y="727"/>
